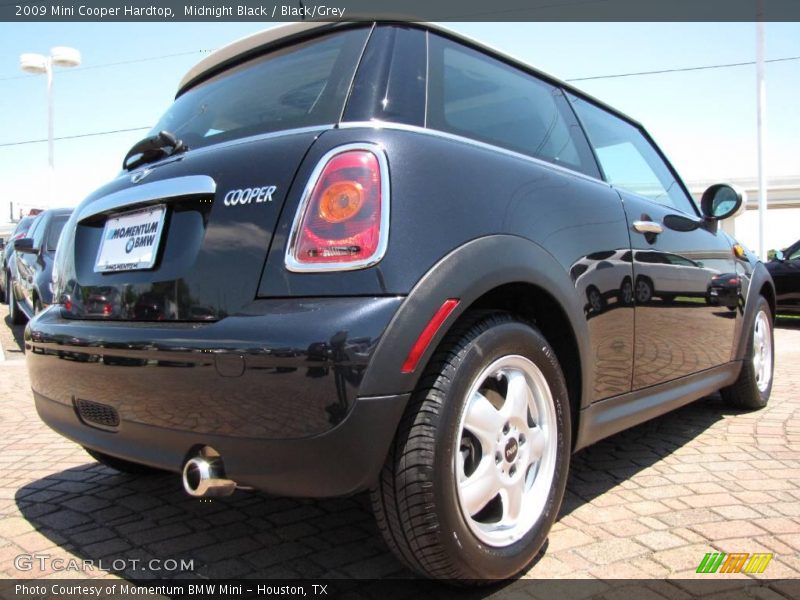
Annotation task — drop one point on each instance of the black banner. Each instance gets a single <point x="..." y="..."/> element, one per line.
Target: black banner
<point x="403" y="589"/>
<point x="406" y="10"/>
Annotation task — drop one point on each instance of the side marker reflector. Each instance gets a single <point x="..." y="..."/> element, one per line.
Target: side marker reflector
<point x="424" y="339"/>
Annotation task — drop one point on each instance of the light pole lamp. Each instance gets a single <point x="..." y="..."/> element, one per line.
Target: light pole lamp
<point x="39" y="64"/>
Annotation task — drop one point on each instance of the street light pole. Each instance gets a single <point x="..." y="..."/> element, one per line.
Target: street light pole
<point x="50" y="128"/>
<point x="38" y="64"/>
<point x="761" y="108"/>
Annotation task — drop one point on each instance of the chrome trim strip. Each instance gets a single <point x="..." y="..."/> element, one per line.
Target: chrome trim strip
<point x="292" y="264"/>
<point x="465" y="140"/>
<point x="164" y="190"/>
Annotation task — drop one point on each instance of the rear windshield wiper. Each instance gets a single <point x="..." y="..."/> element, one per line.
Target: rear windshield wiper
<point x="152" y="148"/>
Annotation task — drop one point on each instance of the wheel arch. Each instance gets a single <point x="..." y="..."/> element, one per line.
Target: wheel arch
<point x="500" y="272"/>
<point x="761" y="284"/>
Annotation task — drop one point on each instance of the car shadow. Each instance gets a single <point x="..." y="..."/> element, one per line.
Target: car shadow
<point x="97" y="514"/>
<point x="603" y="466"/>
<point x="787" y="322"/>
<point x="16" y="340"/>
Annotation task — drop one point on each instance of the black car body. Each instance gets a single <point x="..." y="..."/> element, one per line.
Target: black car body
<point x="785" y="271"/>
<point x="363" y="212"/>
<point x="30" y="283"/>
<point x="8" y="252"/>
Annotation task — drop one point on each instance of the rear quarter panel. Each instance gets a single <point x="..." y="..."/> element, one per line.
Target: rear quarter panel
<point x="446" y="192"/>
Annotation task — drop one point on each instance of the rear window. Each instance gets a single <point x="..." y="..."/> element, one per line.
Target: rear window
<point x="56" y="225"/>
<point x="23" y="225"/>
<point x="298" y="86"/>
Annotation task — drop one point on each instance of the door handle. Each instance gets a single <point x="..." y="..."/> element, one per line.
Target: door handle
<point x="647" y="227"/>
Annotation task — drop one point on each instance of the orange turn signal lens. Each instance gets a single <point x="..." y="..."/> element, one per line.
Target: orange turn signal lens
<point x="341" y="201"/>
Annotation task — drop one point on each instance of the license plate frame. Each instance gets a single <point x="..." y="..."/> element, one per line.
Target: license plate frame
<point x="123" y="247"/>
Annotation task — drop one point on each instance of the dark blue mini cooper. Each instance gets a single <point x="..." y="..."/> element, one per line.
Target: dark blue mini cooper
<point x="382" y="256"/>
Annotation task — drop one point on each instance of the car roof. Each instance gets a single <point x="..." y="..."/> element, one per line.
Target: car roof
<point x="259" y="42"/>
<point x="59" y="211"/>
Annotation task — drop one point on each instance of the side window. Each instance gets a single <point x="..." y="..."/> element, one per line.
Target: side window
<point x="628" y="159"/>
<point x="653" y="258"/>
<point x="37" y="231"/>
<point x="680" y="261"/>
<point x="479" y="97"/>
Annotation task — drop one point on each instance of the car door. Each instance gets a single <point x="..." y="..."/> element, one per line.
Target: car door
<point x="26" y="261"/>
<point x="678" y="331"/>
<point x="786" y="275"/>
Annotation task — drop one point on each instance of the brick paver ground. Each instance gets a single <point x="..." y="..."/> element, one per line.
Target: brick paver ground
<point x="647" y="503"/>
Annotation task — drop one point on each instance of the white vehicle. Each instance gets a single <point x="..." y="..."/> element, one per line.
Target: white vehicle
<point x="676" y="276"/>
<point x="603" y="276"/>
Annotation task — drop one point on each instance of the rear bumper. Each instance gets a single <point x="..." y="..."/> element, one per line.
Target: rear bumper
<point x="274" y="390"/>
<point x="345" y="460"/>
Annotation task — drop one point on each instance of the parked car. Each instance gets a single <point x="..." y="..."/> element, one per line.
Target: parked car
<point x="8" y="251"/>
<point x="30" y="277"/>
<point x="785" y="271"/>
<point x="667" y="275"/>
<point x="381" y="221"/>
<point x="724" y="290"/>
<point x="604" y="276"/>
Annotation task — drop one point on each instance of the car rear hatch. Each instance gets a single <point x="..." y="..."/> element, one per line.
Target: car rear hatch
<point x="184" y="236"/>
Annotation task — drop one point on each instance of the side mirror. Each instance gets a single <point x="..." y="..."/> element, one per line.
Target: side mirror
<point x="779" y="255"/>
<point x="24" y="245"/>
<point x="721" y="201"/>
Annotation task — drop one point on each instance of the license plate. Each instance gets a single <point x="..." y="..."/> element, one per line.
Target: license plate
<point x="130" y="240"/>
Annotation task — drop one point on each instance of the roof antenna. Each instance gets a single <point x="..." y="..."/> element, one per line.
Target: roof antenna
<point x="302" y="10"/>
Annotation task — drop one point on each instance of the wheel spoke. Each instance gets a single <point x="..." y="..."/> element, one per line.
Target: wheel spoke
<point x="483" y="421"/>
<point x="538" y="443"/>
<point x="480" y="487"/>
<point x="517" y="397"/>
<point x="513" y="495"/>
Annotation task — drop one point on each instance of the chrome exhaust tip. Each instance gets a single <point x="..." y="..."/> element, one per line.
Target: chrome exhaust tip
<point x="204" y="477"/>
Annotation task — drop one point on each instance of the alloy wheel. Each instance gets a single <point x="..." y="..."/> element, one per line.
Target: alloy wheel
<point x="762" y="351"/>
<point x="643" y="292"/>
<point x="506" y="451"/>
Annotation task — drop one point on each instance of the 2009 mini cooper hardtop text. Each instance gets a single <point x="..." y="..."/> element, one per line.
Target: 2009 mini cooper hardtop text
<point x="381" y="256"/>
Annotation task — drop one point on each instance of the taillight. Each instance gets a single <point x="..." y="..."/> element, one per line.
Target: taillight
<point x="343" y="219"/>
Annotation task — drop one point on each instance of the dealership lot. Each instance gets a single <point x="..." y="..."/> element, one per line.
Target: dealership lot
<point x="647" y="503"/>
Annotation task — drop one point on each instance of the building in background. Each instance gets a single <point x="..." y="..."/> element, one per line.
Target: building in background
<point x="782" y="227"/>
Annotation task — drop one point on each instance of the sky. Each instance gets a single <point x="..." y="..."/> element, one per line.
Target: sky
<point x="705" y="121"/>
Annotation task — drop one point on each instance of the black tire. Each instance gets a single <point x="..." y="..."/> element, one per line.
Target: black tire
<point x="4" y="295"/>
<point x="625" y="293"/>
<point x="416" y="501"/>
<point x="745" y="391"/>
<point x="16" y="316"/>
<point x="597" y="303"/>
<point x="121" y="465"/>
<point x="643" y="291"/>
